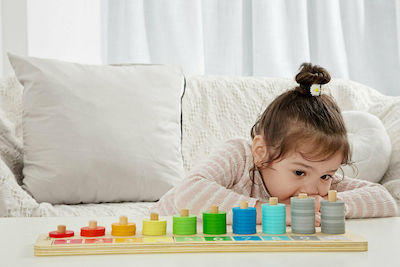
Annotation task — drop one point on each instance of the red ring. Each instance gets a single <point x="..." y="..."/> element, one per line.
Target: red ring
<point x="56" y="234"/>
<point x="99" y="231"/>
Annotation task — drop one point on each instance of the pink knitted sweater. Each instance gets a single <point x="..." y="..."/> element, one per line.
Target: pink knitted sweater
<point x="223" y="179"/>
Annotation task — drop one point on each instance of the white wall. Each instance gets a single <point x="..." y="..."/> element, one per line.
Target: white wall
<point x="13" y="36"/>
<point x="65" y="29"/>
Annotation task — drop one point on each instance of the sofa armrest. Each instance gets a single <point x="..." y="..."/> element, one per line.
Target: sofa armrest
<point x="14" y="200"/>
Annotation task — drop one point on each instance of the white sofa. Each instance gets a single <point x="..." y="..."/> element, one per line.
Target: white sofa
<point x="214" y="108"/>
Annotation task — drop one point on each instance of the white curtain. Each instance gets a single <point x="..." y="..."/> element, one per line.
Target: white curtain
<point x="354" y="39"/>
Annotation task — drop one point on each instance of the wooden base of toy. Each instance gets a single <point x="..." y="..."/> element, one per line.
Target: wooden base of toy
<point x="138" y="244"/>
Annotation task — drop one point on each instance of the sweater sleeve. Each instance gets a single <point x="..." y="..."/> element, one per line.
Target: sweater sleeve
<point x="365" y="199"/>
<point x="209" y="183"/>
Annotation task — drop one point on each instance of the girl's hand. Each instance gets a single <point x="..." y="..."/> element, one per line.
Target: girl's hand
<point x="259" y="211"/>
<point x="288" y="215"/>
<point x="318" y="199"/>
<point x="317" y="219"/>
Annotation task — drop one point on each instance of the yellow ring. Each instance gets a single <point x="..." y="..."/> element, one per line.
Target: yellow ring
<point x="123" y="229"/>
<point x="151" y="227"/>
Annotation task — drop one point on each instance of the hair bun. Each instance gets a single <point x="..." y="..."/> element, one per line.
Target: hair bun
<point x="311" y="74"/>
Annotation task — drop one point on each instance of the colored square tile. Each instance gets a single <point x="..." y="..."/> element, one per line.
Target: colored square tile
<point x="158" y="239"/>
<point x="98" y="240"/>
<point x="333" y="237"/>
<point x="247" y="238"/>
<point x="129" y="240"/>
<point x="305" y="237"/>
<point x="67" y="241"/>
<point x="218" y="238"/>
<point x="275" y="238"/>
<point x="188" y="239"/>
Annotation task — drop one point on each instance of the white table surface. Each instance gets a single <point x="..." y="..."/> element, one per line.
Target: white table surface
<point x="18" y="235"/>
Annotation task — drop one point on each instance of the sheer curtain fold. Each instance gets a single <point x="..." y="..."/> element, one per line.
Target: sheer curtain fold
<point x="357" y="39"/>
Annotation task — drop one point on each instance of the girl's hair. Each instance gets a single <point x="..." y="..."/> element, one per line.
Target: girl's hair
<point x="298" y="120"/>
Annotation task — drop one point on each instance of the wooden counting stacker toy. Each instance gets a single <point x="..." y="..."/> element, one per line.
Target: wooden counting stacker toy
<point x="245" y="236"/>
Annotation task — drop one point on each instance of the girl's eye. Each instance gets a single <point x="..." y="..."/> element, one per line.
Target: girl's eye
<point x="326" y="177"/>
<point x="300" y="173"/>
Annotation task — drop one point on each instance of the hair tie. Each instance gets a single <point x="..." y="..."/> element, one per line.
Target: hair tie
<point x="314" y="89"/>
<point x="317" y="90"/>
<point x="304" y="86"/>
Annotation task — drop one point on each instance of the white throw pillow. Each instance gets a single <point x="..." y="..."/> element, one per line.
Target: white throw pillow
<point x="370" y="144"/>
<point x="98" y="133"/>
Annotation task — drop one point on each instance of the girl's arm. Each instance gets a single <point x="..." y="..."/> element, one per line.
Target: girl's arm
<point x="209" y="182"/>
<point x="365" y="199"/>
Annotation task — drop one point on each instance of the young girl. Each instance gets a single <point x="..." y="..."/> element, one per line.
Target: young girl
<point x="298" y="144"/>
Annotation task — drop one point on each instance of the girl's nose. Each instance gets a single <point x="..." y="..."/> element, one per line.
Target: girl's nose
<point x="310" y="189"/>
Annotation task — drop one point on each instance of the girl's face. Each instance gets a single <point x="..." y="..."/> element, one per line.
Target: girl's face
<point x="295" y="174"/>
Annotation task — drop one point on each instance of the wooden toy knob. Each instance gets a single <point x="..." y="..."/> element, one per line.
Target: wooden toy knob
<point x="92" y="224"/>
<point x="123" y="220"/>
<point x="61" y="229"/>
<point x="214" y="209"/>
<point x="332" y="195"/>
<point x="184" y="212"/>
<point x="154" y="216"/>
<point x="273" y="201"/>
<point x="61" y="232"/>
<point x="244" y="205"/>
<point x="303" y="195"/>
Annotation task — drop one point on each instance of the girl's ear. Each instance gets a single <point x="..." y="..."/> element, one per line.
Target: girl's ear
<point x="259" y="149"/>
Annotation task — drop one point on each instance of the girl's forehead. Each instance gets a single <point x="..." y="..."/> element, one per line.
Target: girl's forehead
<point x="303" y="157"/>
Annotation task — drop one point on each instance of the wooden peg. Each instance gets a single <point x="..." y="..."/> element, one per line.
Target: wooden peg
<point x="332" y="195"/>
<point x="92" y="224"/>
<point x="273" y="201"/>
<point x="154" y="216"/>
<point x="61" y="229"/>
<point x="214" y="209"/>
<point x="123" y="220"/>
<point x="184" y="212"/>
<point x="244" y="205"/>
<point x="303" y="195"/>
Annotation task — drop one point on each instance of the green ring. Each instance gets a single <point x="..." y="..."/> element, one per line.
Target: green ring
<point x="214" y="223"/>
<point x="186" y="225"/>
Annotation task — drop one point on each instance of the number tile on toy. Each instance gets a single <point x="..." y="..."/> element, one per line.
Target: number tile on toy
<point x="129" y="240"/>
<point x="158" y="239"/>
<point x="188" y="239"/>
<point x="98" y="240"/>
<point x="67" y="241"/>
<point x="247" y="238"/>
<point x="218" y="238"/>
<point x="275" y="238"/>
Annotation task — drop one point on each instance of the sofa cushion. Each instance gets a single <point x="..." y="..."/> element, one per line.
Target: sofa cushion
<point x="96" y="133"/>
<point x="370" y="145"/>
